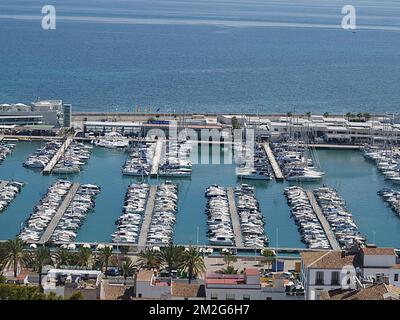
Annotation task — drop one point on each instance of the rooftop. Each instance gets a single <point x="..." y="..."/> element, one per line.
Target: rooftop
<point x="378" y="251"/>
<point x="375" y="292"/>
<point x="328" y="259"/>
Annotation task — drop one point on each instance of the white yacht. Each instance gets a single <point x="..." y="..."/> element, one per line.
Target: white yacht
<point x="113" y="140"/>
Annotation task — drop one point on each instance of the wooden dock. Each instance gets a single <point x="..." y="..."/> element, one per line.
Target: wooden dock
<point x="144" y="230"/>
<point x="271" y="158"/>
<point x="234" y="218"/>
<point x="60" y="212"/>
<point x="324" y="223"/>
<point x="49" y="167"/>
<point x="156" y="158"/>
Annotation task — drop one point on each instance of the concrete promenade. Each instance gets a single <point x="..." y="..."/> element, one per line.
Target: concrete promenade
<point x="156" y="158"/>
<point x="49" y="167"/>
<point x="234" y="218"/>
<point x="275" y="167"/>
<point x="324" y="223"/>
<point x="147" y="216"/>
<point x="60" y="212"/>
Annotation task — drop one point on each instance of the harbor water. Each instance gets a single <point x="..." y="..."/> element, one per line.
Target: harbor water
<point x="356" y="179"/>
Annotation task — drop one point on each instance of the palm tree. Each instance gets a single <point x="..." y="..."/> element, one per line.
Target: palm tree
<point x="104" y="257"/>
<point x="15" y="254"/>
<point x="171" y="257"/>
<point x="229" y="270"/>
<point x="308" y="114"/>
<point x="349" y="115"/>
<point x="269" y="257"/>
<point x="228" y="259"/>
<point x="193" y="263"/>
<point x="127" y="267"/>
<point x="326" y="114"/>
<point x="62" y="257"/>
<point x="149" y="258"/>
<point x="84" y="256"/>
<point x="39" y="258"/>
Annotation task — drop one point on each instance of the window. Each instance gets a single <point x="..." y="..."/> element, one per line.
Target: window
<point x="140" y="295"/>
<point x="246" y="297"/>
<point x="335" y="278"/>
<point x="230" y="297"/>
<point x="396" y="277"/>
<point x="319" y="278"/>
<point x="214" y="296"/>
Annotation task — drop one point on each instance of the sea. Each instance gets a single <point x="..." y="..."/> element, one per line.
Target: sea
<point x="254" y="56"/>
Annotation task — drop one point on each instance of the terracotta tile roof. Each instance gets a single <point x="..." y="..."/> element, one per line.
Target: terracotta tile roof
<point x="117" y="292"/>
<point x="186" y="290"/>
<point x="375" y="292"/>
<point x="144" y="275"/>
<point x="328" y="259"/>
<point x="378" y="251"/>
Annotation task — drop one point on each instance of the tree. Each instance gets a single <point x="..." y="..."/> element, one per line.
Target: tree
<point x="127" y="267"/>
<point x="15" y="254"/>
<point x="289" y="114"/>
<point x="366" y="116"/>
<point x="228" y="258"/>
<point x="171" y="257"/>
<point x="39" y="258"/>
<point x="308" y="114"/>
<point x="149" y="259"/>
<point x="229" y="270"/>
<point x="268" y="257"/>
<point x="104" y="257"/>
<point x="349" y="115"/>
<point x="326" y="114"/>
<point x="76" y="296"/>
<point x="84" y="256"/>
<point x="235" y="123"/>
<point x="62" y="257"/>
<point x="193" y="263"/>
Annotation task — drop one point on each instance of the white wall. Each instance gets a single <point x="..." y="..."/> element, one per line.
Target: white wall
<point x="379" y="260"/>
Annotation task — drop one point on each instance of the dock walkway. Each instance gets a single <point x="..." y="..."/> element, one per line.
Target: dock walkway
<point x="60" y="212"/>
<point x="234" y="218"/>
<point x="324" y="223"/>
<point x="147" y="216"/>
<point x="335" y="146"/>
<point x="49" y="167"/>
<point x="275" y="167"/>
<point x="156" y="158"/>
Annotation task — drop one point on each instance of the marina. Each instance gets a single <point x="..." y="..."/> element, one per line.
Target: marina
<point x="323" y="221"/>
<point x="57" y="156"/>
<point x="236" y="226"/>
<point x="145" y="226"/>
<point x="392" y="198"/>
<point x="8" y="192"/>
<point x="140" y="159"/>
<point x="156" y="158"/>
<point x="252" y="163"/>
<point x="130" y="222"/>
<point x="344" y="170"/>
<point x="313" y="234"/>
<point x="271" y="158"/>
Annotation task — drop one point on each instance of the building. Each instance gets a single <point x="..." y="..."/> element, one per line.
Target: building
<point x="340" y="270"/>
<point x="323" y="271"/>
<point x="67" y="115"/>
<point x="65" y="283"/>
<point x="249" y="286"/>
<point x="150" y="285"/>
<point x="380" y="291"/>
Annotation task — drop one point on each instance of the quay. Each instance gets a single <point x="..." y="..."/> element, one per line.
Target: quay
<point x="275" y="167"/>
<point x="334" y="146"/>
<point x="49" y="167"/>
<point x="60" y="212"/>
<point x="156" y="158"/>
<point x="324" y="223"/>
<point x="234" y="218"/>
<point x="147" y="216"/>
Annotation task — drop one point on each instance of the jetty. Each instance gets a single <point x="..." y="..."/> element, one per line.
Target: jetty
<point x="234" y="218"/>
<point x="60" y="152"/>
<point x="334" y="146"/>
<point x="147" y="216"/>
<point x="156" y="158"/>
<point x="60" y="212"/>
<point x="271" y="158"/>
<point x="324" y="223"/>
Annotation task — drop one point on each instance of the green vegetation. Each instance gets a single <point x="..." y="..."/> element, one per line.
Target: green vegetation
<point x="104" y="258"/>
<point x="193" y="263"/>
<point x="19" y="292"/>
<point x="229" y="270"/>
<point x="149" y="259"/>
<point x="228" y="259"/>
<point x="268" y="257"/>
<point x="326" y="114"/>
<point x="235" y="123"/>
<point x="127" y="268"/>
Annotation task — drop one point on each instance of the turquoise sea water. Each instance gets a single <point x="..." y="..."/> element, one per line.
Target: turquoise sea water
<point x="222" y="55"/>
<point x="356" y="180"/>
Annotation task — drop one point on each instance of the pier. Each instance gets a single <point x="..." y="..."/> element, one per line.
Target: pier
<point x="335" y="146"/>
<point x="234" y="218"/>
<point x="49" y="167"/>
<point x="147" y="216"/>
<point x="156" y="158"/>
<point x="60" y="212"/>
<point x="275" y="167"/>
<point x="324" y="223"/>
